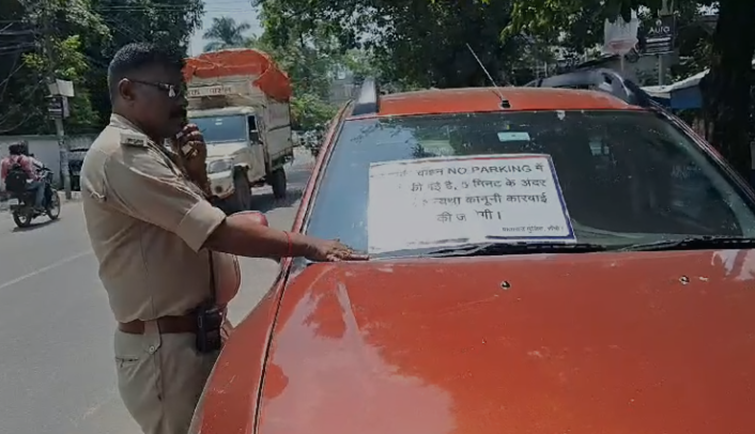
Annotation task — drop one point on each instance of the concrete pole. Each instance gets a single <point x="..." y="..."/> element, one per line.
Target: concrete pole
<point x="63" y="149"/>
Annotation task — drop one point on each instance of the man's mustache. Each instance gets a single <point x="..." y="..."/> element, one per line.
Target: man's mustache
<point x="179" y="114"/>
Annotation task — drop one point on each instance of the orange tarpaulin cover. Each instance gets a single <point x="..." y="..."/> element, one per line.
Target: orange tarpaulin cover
<point x="270" y="79"/>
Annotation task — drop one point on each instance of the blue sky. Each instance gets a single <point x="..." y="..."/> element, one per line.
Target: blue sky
<point x="240" y="10"/>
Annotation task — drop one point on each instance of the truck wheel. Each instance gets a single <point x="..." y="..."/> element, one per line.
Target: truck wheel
<point x="278" y="182"/>
<point x="242" y="195"/>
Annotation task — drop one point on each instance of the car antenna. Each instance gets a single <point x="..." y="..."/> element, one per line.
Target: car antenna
<point x="504" y="102"/>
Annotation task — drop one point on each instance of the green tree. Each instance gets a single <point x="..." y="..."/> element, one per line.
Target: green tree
<point x="361" y="63"/>
<point x="167" y="23"/>
<point x="416" y="43"/>
<point x="726" y="89"/>
<point x="49" y="45"/>
<point x="309" y="63"/>
<point x="72" y="65"/>
<point x="225" y="33"/>
<point x="16" y="39"/>
<point x="75" y="40"/>
<point x="309" y="111"/>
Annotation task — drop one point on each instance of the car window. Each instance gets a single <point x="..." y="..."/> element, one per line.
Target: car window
<point x="626" y="176"/>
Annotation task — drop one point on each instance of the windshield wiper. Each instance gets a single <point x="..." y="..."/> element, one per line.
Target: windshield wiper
<point x="694" y="243"/>
<point x="500" y="248"/>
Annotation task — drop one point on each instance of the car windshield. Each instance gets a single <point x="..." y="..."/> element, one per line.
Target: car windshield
<point x="222" y="129"/>
<point x="618" y="178"/>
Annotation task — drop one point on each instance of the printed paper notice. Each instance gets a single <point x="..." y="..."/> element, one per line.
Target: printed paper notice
<point x="456" y="200"/>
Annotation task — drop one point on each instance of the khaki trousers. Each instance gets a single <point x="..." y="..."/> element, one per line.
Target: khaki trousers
<point x="160" y="378"/>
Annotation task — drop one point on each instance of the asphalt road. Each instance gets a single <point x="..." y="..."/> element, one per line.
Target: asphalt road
<point x="57" y="374"/>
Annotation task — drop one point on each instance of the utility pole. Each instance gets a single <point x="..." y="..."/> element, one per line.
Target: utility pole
<point x="667" y="9"/>
<point x="58" y="110"/>
<point x="60" y="91"/>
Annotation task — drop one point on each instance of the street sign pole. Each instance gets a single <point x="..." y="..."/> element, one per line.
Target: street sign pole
<point x="63" y="149"/>
<point x="60" y="91"/>
<point x="667" y="9"/>
<point x="659" y="42"/>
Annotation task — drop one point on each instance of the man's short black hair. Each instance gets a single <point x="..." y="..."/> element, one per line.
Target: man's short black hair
<point x="133" y="57"/>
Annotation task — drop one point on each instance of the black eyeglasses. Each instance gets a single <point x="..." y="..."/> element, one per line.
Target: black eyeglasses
<point x="172" y="90"/>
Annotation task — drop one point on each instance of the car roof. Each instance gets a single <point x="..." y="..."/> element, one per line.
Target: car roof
<point x="488" y="99"/>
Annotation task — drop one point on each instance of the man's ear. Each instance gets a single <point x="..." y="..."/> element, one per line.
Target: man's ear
<point x="126" y="89"/>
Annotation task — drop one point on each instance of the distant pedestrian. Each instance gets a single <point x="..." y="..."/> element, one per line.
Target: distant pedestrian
<point x="36" y="163"/>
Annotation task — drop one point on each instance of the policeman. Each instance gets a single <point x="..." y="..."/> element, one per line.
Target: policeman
<point x="152" y="231"/>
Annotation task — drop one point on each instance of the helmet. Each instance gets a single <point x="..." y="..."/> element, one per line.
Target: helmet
<point x="16" y="149"/>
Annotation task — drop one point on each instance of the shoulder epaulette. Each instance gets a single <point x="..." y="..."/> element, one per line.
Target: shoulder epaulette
<point x="134" y="139"/>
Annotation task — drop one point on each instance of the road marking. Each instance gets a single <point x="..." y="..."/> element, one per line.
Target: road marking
<point x="47" y="268"/>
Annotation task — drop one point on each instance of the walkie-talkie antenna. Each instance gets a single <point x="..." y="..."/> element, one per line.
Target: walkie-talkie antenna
<point x="497" y="90"/>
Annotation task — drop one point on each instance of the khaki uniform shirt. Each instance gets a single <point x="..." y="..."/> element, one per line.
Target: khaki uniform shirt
<point x="147" y="224"/>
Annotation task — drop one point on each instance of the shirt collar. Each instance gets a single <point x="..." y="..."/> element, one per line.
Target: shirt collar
<point x="117" y="120"/>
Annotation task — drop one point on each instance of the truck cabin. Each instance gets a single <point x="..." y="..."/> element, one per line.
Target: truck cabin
<point x="227" y="125"/>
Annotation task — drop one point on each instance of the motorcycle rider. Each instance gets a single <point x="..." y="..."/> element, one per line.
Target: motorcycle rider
<point x="18" y="164"/>
<point x="37" y="164"/>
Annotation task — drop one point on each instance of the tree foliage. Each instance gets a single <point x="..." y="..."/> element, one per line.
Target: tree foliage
<point x="726" y="89"/>
<point x="75" y="40"/>
<point x="410" y="44"/>
<point x="48" y="43"/>
<point x="167" y="23"/>
<point x="415" y="43"/>
<point x="309" y="61"/>
<point x="727" y="99"/>
<point x="225" y="33"/>
<point x="309" y="111"/>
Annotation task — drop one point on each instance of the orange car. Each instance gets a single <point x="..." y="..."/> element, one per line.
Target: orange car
<point x="544" y="261"/>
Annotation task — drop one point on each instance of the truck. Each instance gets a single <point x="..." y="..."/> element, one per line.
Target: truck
<point x="240" y="101"/>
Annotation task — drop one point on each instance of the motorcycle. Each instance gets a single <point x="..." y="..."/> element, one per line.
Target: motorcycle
<point x="21" y="203"/>
<point x="313" y="141"/>
<point x="313" y="147"/>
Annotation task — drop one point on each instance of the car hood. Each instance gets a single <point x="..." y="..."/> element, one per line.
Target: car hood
<point x="217" y="150"/>
<point x="605" y="343"/>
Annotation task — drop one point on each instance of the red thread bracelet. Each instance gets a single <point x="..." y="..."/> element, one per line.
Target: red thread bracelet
<point x="290" y="245"/>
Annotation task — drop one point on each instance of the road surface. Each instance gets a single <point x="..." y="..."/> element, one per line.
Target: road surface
<point x="57" y="374"/>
